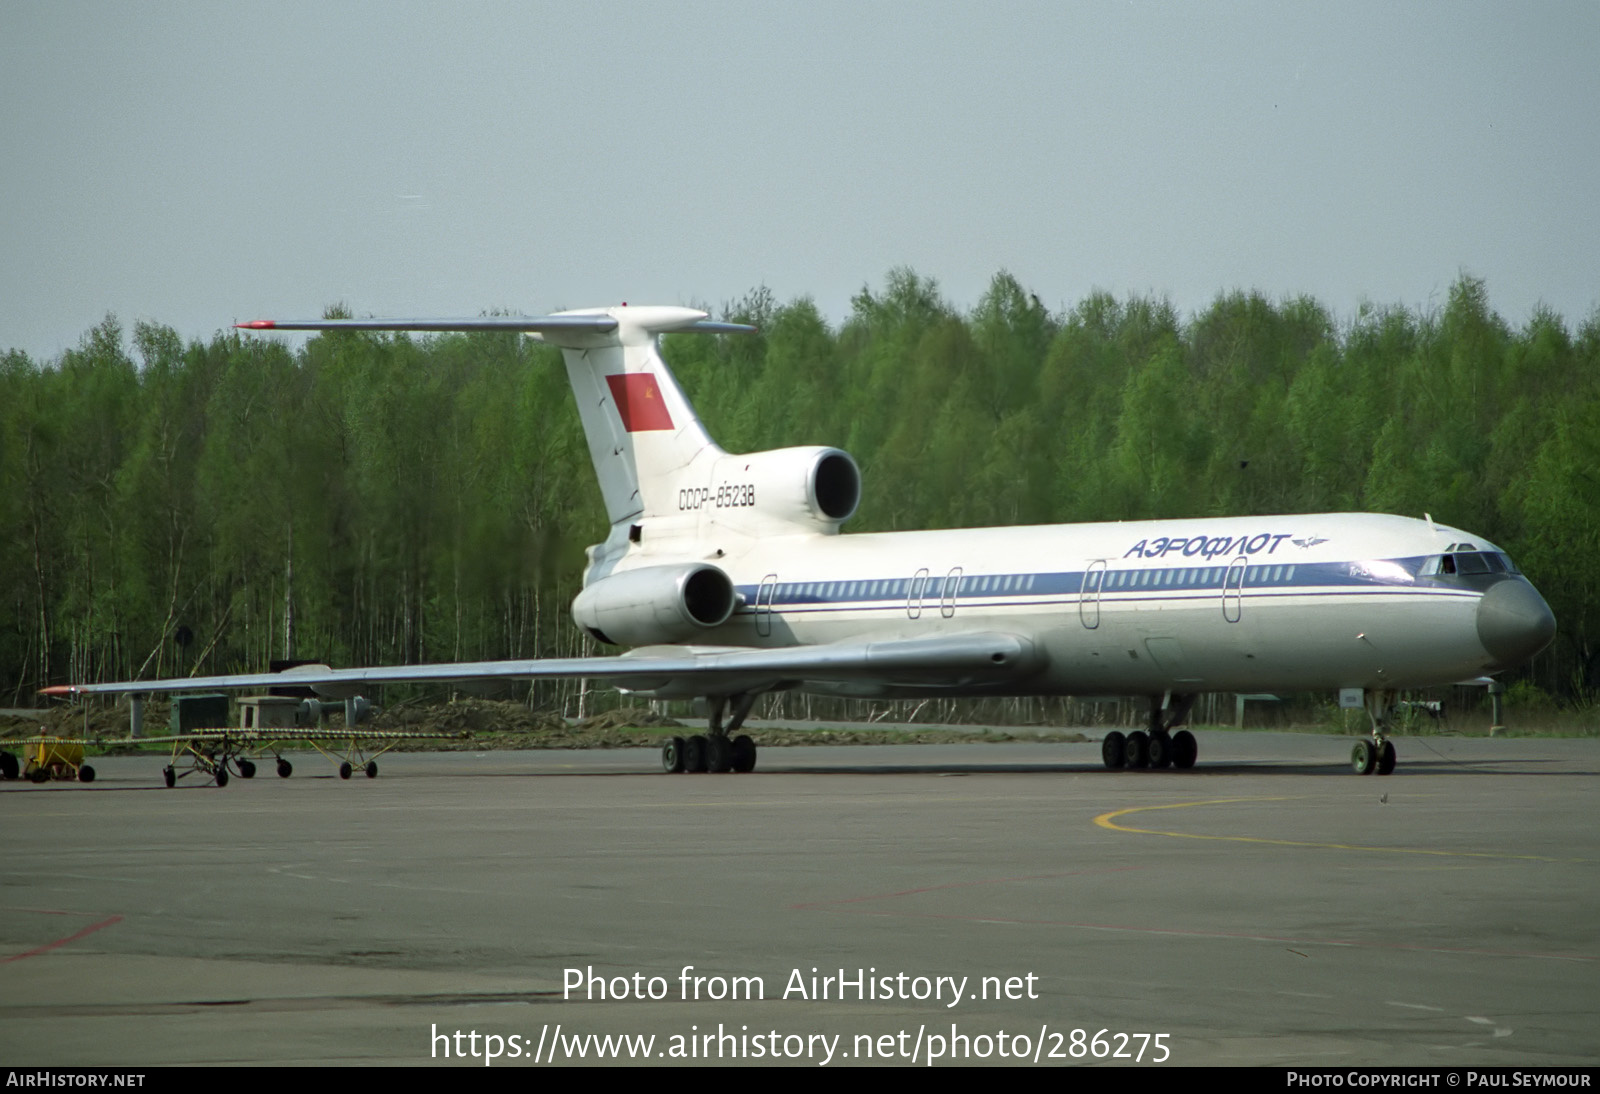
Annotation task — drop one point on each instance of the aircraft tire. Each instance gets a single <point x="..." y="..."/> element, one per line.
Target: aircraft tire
<point x="372" y="769"/>
<point x="1362" y="758"/>
<point x="285" y="769"/>
<point x="744" y="754"/>
<point x="694" y="754"/>
<point x="1185" y="750"/>
<point x="672" y="756"/>
<point x="1386" y="758"/>
<point x="1138" y="750"/>
<point x="344" y="770"/>
<point x="1160" y="751"/>
<point x="222" y="777"/>
<point x="8" y="766"/>
<point x="85" y="773"/>
<point x="247" y="770"/>
<point x="38" y="775"/>
<point x="1114" y="750"/>
<point x="719" y="755"/>
<point x="169" y="776"/>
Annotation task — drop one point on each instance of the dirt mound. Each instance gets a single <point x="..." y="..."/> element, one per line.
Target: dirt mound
<point x="66" y="720"/>
<point x="475" y="716"/>
<point x="629" y="718"/>
<point x="483" y="724"/>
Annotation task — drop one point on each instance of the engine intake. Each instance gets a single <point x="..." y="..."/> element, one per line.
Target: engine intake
<point x="816" y="488"/>
<point x="655" y="605"/>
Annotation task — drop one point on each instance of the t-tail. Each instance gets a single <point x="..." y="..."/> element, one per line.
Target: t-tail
<point x="669" y="490"/>
<point x="643" y="435"/>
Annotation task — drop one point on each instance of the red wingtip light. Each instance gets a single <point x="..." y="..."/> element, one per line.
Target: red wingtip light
<point x="60" y="690"/>
<point x="257" y="324"/>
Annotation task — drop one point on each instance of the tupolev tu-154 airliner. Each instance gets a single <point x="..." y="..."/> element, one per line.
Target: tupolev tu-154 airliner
<point x="730" y="578"/>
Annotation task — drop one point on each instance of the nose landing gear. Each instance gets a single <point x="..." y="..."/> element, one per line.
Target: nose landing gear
<point x="1376" y="754"/>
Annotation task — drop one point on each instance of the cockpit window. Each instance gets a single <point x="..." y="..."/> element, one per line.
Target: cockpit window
<point x="1472" y="562"/>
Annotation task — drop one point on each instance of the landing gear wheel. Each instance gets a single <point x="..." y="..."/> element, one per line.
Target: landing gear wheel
<point x="372" y="769"/>
<point x="1386" y="758"/>
<point x="672" y="756"/>
<point x="8" y="766"/>
<point x="1160" y="751"/>
<point x="285" y="769"/>
<point x="247" y="770"/>
<point x="1138" y="749"/>
<point x="38" y="775"/>
<point x="344" y="770"/>
<point x="744" y="754"/>
<point x="222" y="776"/>
<point x="694" y="754"/>
<point x="169" y="776"/>
<point x="85" y="774"/>
<point x="1185" y="750"/>
<point x="1114" y="750"/>
<point x="719" y="754"/>
<point x="1362" y="758"/>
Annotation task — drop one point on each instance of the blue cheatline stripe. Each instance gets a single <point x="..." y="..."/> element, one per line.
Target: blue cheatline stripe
<point x="1115" y="583"/>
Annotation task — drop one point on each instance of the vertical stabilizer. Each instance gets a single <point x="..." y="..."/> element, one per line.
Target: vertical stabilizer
<point x="642" y="433"/>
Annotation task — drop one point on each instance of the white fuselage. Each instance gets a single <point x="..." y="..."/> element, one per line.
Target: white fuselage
<point x="1210" y="604"/>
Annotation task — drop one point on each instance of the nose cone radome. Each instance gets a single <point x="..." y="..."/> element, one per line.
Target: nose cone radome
<point x="1514" y="622"/>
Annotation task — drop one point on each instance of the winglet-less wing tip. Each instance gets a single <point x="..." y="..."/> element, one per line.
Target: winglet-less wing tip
<point x="257" y="324"/>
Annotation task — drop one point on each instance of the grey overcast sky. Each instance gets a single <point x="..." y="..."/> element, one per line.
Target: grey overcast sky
<point x="197" y="163"/>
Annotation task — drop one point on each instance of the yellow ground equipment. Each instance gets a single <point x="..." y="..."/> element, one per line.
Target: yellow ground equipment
<point x="48" y="758"/>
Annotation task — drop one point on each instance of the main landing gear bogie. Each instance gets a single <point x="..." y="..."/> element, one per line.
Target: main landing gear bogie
<point x="1155" y="751"/>
<point x="715" y="752"/>
<point x="708" y="753"/>
<point x="1159" y="747"/>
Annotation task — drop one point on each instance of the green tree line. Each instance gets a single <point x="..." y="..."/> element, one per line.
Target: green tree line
<point x="374" y="499"/>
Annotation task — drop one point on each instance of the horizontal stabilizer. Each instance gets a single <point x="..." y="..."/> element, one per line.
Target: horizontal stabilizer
<point x="526" y="324"/>
<point x="657" y="320"/>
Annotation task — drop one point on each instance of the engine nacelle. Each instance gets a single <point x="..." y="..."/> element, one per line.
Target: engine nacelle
<point x="816" y="488"/>
<point x="656" y="605"/>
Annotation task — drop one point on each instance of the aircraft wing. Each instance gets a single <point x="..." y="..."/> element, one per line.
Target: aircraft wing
<point x="944" y="660"/>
